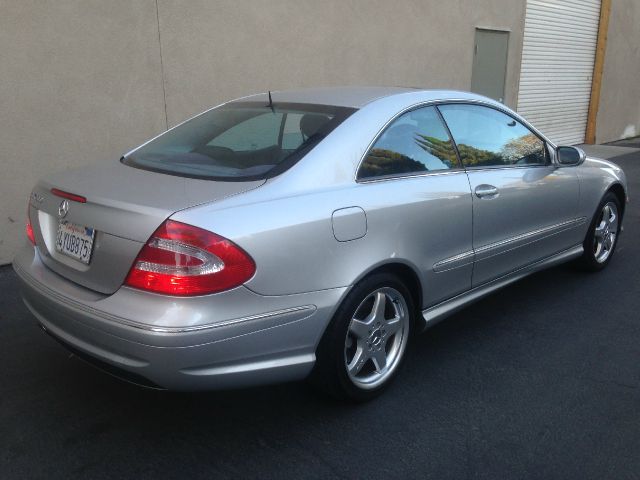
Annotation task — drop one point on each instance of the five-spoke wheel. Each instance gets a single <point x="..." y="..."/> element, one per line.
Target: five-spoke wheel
<point x="602" y="236"/>
<point x="364" y="344"/>
<point x="376" y="338"/>
<point x="606" y="232"/>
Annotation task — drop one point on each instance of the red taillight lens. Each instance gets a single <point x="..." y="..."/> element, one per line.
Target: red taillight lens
<point x="29" y="228"/>
<point x="68" y="196"/>
<point x="181" y="259"/>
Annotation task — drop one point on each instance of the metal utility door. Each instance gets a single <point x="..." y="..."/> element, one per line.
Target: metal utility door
<point x="490" y="63"/>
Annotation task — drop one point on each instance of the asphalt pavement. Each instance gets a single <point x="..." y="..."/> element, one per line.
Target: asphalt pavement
<point x="541" y="380"/>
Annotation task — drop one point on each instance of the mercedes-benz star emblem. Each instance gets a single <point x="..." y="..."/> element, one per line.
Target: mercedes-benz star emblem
<point x="63" y="208"/>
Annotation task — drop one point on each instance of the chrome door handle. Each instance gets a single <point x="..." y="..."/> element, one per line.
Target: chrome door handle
<point x="486" y="191"/>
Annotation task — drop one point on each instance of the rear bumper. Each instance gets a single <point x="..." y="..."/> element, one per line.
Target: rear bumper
<point x="227" y="340"/>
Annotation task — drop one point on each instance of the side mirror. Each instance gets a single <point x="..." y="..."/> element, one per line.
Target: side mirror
<point x="568" y="156"/>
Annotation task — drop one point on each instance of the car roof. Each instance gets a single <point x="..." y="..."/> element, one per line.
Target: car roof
<point x="353" y="96"/>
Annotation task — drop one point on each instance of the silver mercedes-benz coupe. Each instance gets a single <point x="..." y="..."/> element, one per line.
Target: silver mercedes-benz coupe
<point x="305" y="233"/>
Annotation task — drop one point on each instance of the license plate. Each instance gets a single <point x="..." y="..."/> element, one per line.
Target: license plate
<point x="75" y="241"/>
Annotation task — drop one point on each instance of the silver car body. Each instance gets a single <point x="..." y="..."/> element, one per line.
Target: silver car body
<point x="314" y="231"/>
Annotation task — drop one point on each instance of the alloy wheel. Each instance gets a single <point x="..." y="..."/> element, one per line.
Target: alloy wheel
<point x="606" y="231"/>
<point x="376" y="338"/>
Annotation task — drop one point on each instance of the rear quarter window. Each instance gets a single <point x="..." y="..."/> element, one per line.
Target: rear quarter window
<point x="414" y="143"/>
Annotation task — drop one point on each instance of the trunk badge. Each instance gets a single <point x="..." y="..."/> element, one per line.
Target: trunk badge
<point x="37" y="198"/>
<point x="63" y="208"/>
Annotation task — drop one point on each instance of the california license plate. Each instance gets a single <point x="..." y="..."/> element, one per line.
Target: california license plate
<point x="75" y="241"/>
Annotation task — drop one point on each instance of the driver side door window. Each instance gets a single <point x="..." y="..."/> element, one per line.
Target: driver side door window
<point x="490" y="138"/>
<point x="524" y="208"/>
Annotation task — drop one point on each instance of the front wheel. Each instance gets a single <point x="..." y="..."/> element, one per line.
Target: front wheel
<point x="365" y="342"/>
<point x="600" y="242"/>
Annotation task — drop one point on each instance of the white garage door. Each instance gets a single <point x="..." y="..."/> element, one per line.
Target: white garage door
<point x="557" y="66"/>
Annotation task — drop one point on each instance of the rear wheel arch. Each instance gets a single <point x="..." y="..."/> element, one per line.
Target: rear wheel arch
<point x="406" y="273"/>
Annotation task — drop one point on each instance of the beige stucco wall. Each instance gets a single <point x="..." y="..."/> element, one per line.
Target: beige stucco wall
<point x="619" y="111"/>
<point x="82" y="81"/>
<point x="214" y="50"/>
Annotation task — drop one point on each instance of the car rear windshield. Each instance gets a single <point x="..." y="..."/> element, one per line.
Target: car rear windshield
<point x="239" y="141"/>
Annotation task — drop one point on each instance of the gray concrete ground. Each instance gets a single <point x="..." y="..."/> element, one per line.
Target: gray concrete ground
<point x="613" y="149"/>
<point x="539" y="381"/>
<point x="627" y="142"/>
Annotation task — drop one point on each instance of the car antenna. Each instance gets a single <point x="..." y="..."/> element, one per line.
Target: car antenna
<point x="271" y="102"/>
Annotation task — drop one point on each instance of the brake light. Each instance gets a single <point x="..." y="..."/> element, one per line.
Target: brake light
<point x="181" y="259"/>
<point x="29" y="228"/>
<point x="69" y="196"/>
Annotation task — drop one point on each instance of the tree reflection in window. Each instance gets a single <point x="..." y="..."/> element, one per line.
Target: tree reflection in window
<point x="416" y="142"/>
<point x="381" y="162"/>
<point x="488" y="137"/>
<point x="524" y="150"/>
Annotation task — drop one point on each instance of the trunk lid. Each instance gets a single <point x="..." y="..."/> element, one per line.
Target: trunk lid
<point x="124" y="206"/>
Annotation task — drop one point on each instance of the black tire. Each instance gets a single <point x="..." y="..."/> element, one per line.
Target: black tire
<point x="330" y="373"/>
<point x="589" y="260"/>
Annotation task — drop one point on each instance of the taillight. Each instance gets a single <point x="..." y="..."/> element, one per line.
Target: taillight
<point x="181" y="259"/>
<point x="69" y="196"/>
<point x="29" y="228"/>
